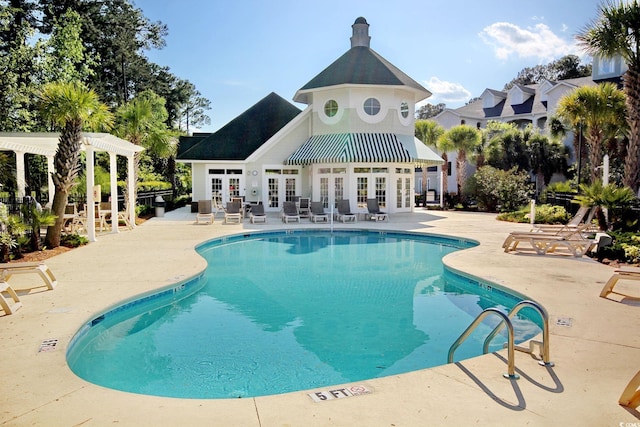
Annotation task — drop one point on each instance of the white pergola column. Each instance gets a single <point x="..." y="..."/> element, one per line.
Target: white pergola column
<point x="131" y="209"/>
<point x="20" y="174"/>
<point x="50" y="170"/>
<point x="113" y="176"/>
<point x="90" y="209"/>
<point x="441" y="187"/>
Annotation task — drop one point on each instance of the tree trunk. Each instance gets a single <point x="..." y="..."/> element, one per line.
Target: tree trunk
<point x="632" y="161"/>
<point x="461" y="171"/>
<point x="595" y="152"/>
<point x="54" y="232"/>
<point x="445" y="173"/>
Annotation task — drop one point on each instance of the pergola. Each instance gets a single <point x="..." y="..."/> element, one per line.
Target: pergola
<point x="46" y="144"/>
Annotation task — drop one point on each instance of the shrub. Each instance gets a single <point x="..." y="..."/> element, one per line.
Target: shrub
<point x="73" y="240"/>
<point x="497" y="189"/>
<point x="625" y="248"/>
<point x="545" y="214"/>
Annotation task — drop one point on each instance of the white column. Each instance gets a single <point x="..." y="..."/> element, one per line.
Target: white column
<point x="130" y="187"/>
<point x="50" y="170"/>
<point x="113" y="178"/>
<point x="90" y="209"/>
<point x="20" y="173"/>
<point x="441" y="187"/>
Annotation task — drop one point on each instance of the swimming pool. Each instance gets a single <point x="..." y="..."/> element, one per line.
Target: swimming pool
<point x="292" y="310"/>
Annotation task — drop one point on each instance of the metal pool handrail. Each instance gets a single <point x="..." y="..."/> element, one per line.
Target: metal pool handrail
<point x="510" y="342"/>
<point x="545" y="329"/>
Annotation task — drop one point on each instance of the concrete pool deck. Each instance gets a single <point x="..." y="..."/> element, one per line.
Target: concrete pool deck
<point x="594" y="343"/>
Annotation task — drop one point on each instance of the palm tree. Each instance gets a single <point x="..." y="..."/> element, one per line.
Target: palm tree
<point x="598" y="111"/>
<point x="463" y="139"/>
<point x="428" y="132"/>
<point x="70" y="107"/>
<point x="616" y="32"/>
<point x="141" y="121"/>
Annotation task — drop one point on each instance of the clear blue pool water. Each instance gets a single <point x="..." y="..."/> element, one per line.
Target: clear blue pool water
<point x="287" y="311"/>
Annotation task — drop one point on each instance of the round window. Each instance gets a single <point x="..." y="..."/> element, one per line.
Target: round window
<point x="331" y="108"/>
<point x="372" y="106"/>
<point x="404" y="109"/>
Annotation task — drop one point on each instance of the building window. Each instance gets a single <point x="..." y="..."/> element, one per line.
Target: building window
<point x="449" y="168"/>
<point x="404" y="109"/>
<point x="331" y="108"/>
<point x="372" y="106"/>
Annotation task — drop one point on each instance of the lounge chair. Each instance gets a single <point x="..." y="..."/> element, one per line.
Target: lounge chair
<point x="630" y="397"/>
<point x="256" y="214"/>
<point x="290" y="212"/>
<point x="9" y="306"/>
<point x="8" y="270"/>
<point x="233" y="213"/>
<point x="375" y="213"/>
<point x="344" y="211"/>
<point x="574" y="223"/>
<point x="547" y="242"/>
<point x="626" y="273"/>
<point x="205" y="212"/>
<point x="303" y="207"/>
<point x="316" y="212"/>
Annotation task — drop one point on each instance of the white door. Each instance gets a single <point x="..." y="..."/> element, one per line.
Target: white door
<point x="282" y="185"/>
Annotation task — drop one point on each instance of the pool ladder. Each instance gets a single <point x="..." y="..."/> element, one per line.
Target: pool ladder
<point x="506" y="320"/>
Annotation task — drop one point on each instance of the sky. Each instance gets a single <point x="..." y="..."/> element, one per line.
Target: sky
<point x="236" y="52"/>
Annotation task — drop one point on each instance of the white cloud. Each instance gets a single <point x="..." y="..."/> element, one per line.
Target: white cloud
<point x="447" y="92"/>
<point x="538" y="42"/>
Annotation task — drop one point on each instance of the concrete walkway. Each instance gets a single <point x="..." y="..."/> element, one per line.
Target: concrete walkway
<point x="595" y="342"/>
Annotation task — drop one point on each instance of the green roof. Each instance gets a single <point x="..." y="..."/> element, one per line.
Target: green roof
<point x="359" y="65"/>
<point x="242" y="135"/>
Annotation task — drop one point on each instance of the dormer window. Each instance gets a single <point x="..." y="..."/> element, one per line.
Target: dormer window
<point x="331" y="108"/>
<point x="372" y="106"/>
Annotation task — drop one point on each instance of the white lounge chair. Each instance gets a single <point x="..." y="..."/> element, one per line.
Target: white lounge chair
<point x="344" y="211"/>
<point x="548" y="242"/>
<point x="11" y="269"/>
<point x="290" y="212"/>
<point x="9" y="306"/>
<point x="205" y="212"/>
<point x="256" y="214"/>
<point x="626" y="273"/>
<point x="233" y="213"/>
<point x="316" y="212"/>
<point x="374" y="212"/>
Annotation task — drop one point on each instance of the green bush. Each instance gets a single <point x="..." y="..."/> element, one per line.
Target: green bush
<point x="73" y="240"/>
<point x="545" y="214"/>
<point x="625" y="248"/>
<point x="499" y="190"/>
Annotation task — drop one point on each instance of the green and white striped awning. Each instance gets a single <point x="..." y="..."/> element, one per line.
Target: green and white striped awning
<point x="363" y="148"/>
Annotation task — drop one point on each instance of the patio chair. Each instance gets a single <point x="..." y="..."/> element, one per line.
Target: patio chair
<point x="630" y="397"/>
<point x="344" y="211"/>
<point x="8" y="305"/>
<point x="205" y="212"/>
<point x="626" y="273"/>
<point x="303" y="208"/>
<point x="256" y="214"/>
<point x="233" y="213"/>
<point x="290" y="212"/>
<point x="575" y="222"/>
<point x="375" y="213"/>
<point x="316" y="212"/>
<point x="547" y="242"/>
<point x="39" y="268"/>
